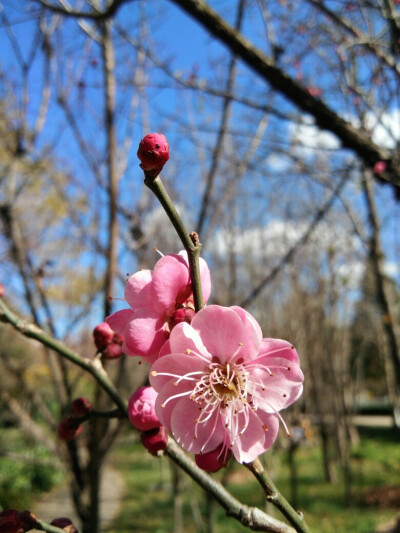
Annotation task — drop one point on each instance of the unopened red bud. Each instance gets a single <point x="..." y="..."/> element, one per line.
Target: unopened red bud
<point x="154" y="440"/>
<point x="103" y="336"/>
<point x="185" y="314"/>
<point x="118" y="339"/>
<point x="69" y="428"/>
<point x="113" y="351"/>
<point x="2" y="290"/>
<point x="153" y="153"/>
<point x="141" y="409"/>
<point x="214" y="460"/>
<point x="379" y="167"/>
<point x="64" y="523"/>
<point x="9" y="522"/>
<point x="81" y="407"/>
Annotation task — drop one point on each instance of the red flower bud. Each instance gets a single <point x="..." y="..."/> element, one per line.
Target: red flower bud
<point x="64" y="523"/>
<point x="118" y="339"/>
<point x="214" y="460"/>
<point x="9" y="522"/>
<point x="153" y="153"/>
<point x="113" y="351"/>
<point x="2" y="290"/>
<point x="69" y="428"/>
<point x="184" y="314"/>
<point x="141" y="409"/>
<point x="12" y="521"/>
<point x="103" y="336"/>
<point x="379" y="167"/>
<point x="81" y="407"/>
<point x="154" y="440"/>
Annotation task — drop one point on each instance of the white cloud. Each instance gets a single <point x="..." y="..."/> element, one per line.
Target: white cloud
<point x="278" y="236"/>
<point x="309" y="138"/>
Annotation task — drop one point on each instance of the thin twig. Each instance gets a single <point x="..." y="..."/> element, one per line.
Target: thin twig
<point x="190" y="241"/>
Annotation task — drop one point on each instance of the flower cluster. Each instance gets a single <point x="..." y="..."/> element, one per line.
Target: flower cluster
<point x="159" y="300"/>
<point x="218" y="385"/>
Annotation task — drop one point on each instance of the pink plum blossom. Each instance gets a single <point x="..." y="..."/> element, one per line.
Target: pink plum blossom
<point x="223" y="384"/>
<point x="141" y="409"/>
<point x="159" y="300"/>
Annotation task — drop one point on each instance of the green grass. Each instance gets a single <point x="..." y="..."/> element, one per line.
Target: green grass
<point x="26" y="470"/>
<point x="147" y="506"/>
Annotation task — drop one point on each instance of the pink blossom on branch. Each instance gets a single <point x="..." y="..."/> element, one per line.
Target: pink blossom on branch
<point x="223" y="384"/>
<point x="159" y="300"/>
<point x="141" y="409"/>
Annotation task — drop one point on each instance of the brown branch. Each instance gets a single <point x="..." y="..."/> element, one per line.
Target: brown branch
<point x="250" y="517"/>
<point x="318" y="217"/>
<point x="95" y="14"/>
<point x="265" y="67"/>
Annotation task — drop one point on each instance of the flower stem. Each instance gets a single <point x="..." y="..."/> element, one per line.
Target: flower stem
<point x="93" y="366"/>
<point x="190" y="241"/>
<point x="275" y="497"/>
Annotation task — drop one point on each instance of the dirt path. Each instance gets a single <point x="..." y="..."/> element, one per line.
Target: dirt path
<point x="58" y="502"/>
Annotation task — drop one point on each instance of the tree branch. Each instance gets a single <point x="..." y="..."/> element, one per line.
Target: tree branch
<point x="250" y="517"/>
<point x="92" y="366"/>
<point x="324" y="116"/>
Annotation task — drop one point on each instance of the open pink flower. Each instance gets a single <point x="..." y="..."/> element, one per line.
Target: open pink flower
<point x="224" y="384"/>
<point x="159" y="299"/>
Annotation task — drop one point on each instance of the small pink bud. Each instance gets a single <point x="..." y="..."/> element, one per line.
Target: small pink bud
<point x="113" y="351"/>
<point x="69" y="428"/>
<point x="81" y="407"/>
<point x="214" y="460"/>
<point x="2" y="290"/>
<point x="314" y="91"/>
<point x="103" y="336"/>
<point x="64" y="523"/>
<point x="153" y="153"/>
<point x="154" y="440"/>
<point x="184" y="314"/>
<point x="379" y="167"/>
<point x="141" y="410"/>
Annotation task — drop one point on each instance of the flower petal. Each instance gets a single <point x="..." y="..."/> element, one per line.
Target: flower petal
<point x="120" y="320"/>
<point x="250" y="444"/>
<point x="279" y="348"/>
<point x="178" y="365"/>
<point x="185" y="338"/>
<point x="183" y="423"/>
<point x="222" y="332"/>
<point x="145" y="335"/>
<point x="139" y="290"/>
<point x="253" y="333"/>
<point x="275" y="384"/>
<point x="170" y="277"/>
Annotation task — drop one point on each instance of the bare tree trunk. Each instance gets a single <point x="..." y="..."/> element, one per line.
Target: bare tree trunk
<point x="383" y="299"/>
<point x="109" y="84"/>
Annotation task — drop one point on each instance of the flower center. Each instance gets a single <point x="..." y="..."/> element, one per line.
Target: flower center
<point x="220" y="386"/>
<point x="227" y="383"/>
